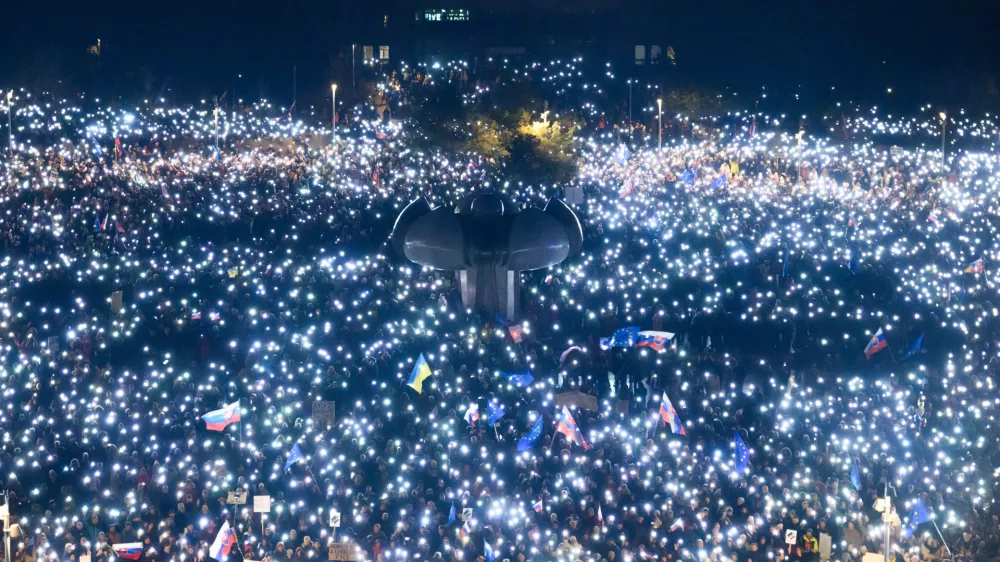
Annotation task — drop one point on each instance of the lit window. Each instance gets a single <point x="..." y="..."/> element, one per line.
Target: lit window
<point x="445" y="15"/>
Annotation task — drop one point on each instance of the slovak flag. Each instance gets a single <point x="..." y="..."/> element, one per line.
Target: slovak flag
<point x="877" y="343"/>
<point x="217" y="420"/>
<point x="976" y="267"/>
<point x="472" y="414"/>
<point x="537" y="506"/>
<point x="466" y="529"/>
<point x="670" y="417"/>
<point x="600" y="516"/>
<point x="653" y="339"/>
<point x="128" y="550"/>
<point x="567" y="426"/>
<point x="223" y="542"/>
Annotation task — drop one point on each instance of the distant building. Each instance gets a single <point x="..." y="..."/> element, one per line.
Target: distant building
<point x="618" y="30"/>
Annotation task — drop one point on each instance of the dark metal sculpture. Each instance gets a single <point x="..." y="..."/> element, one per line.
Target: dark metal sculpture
<point x="487" y="241"/>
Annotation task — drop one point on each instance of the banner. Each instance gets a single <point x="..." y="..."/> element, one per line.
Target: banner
<point x="578" y="399"/>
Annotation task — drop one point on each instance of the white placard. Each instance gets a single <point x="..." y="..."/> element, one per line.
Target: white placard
<point x="262" y="504"/>
<point x="791" y="536"/>
<point x="334" y="518"/>
<point x="825" y="546"/>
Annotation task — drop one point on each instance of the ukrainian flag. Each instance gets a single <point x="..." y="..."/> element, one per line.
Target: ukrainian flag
<point x="420" y="372"/>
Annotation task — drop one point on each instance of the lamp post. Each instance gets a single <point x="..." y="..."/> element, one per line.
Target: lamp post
<point x="630" y="111"/>
<point x="216" y="115"/>
<point x="659" y="116"/>
<point x="333" y="88"/>
<point x="944" y="131"/>
<point x="10" y="129"/>
<point x="889" y="517"/>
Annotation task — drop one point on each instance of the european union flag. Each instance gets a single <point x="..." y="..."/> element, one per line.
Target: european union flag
<point x="623" y="155"/>
<point x="687" y="177"/>
<point x="916" y="515"/>
<point x="488" y="550"/>
<point x="855" y="264"/>
<point x="495" y="411"/>
<point x="528" y="441"/>
<point x="294" y="456"/>
<point x="855" y="477"/>
<point x="519" y="380"/>
<point x="502" y="320"/>
<point x="622" y="337"/>
<point x="915" y="349"/>
<point x="451" y="514"/>
<point x="742" y="454"/>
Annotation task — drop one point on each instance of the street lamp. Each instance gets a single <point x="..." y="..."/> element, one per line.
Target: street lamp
<point x="630" y="111"/>
<point x="659" y="111"/>
<point x="9" y="530"/>
<point x="216" y="115"/>
<point x="10" y="111"/>
<point x="944" y="131"/>
<point x="333" y="88"/>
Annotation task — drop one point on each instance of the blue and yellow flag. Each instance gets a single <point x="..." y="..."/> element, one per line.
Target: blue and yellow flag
<point x="420" y="372"/>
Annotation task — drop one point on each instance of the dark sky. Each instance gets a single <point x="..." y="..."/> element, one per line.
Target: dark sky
<point x="859" y="45"/>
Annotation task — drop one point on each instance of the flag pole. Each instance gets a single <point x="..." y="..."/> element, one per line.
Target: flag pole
<point x="950" y="555"/>
<point x="239" y="406"/>
<point x="887" y="520"/>
<point x="236" y="540"/>
<point x="891" y="354"/>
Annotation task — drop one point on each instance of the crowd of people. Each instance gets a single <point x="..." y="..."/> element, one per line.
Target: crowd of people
<point x="176" y="312"/>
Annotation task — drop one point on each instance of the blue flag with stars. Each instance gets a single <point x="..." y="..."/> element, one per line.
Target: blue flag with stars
<point x="622" y="337"/>
<point x="294" y="456"/>
<point x="916" y="515"/>
<point x="519" y="380"/>
<point x="742" y="454"/>
<point x="495" y="410"/>
<point x="488" y="551"/>
<point x="451" y="514"/>
<point x="855" y="477"/>
<point x="915" y="349"/>
<point x="528" y="441"/>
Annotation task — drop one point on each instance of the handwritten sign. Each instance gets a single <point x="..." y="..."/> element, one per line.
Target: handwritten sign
<point x="345" y="551"/>
<point x="323" y="413"/>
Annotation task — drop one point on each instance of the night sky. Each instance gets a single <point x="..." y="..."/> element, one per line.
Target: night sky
<point x="925" y="50"/>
